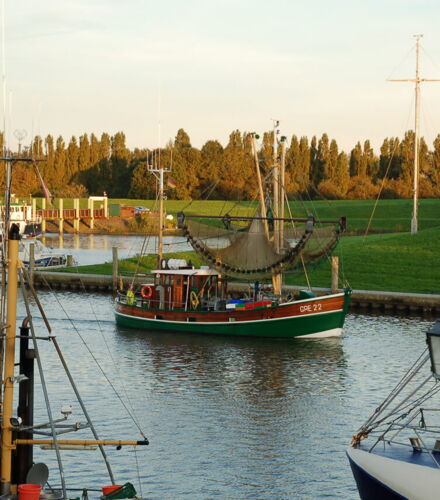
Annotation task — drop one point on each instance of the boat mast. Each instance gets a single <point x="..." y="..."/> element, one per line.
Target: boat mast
<point x="8" y="375"/>
<point x="417" y="80"/>
<point x="282" y="186"/>
<point x="276" y="187"/>
<point x="254" y="136"/>
<point x="158" y="170"/>
<point x="277" y="197"/>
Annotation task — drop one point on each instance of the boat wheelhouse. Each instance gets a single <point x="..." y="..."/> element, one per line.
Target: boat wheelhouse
<point x="24" y="217"/>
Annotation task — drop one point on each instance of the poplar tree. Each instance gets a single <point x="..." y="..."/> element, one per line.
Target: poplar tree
<point x="49" y="172"/>
<point x="294" y="176"/>
<point x="60" y="164"/>
<point x="356" y="160"/>
<point x="72" y="158"/>
<point x="84" y="161"/>
<point x="314" y="163"/>
<point x="321" y="167"/>
<point x="231" y="183"/>
<point x="298" y="166"/>
<point x="211" y="164"/>
<point x="119" y="181"/>
<point x="238" y="176"/>
<point x="186" y="163"/>
<point x="435" y="171"/>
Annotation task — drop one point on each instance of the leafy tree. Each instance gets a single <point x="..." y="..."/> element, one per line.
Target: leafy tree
<point x="142" y="181"/>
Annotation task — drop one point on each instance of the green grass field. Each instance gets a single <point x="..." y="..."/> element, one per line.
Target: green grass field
<point x="389" y="215"/>
<point x="398" y="262"/>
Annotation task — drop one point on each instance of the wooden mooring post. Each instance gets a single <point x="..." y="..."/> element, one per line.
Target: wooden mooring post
<point x="335" y="273"/>
<point x="43" y="222"/>
<point x="31" y="263"/>
<point x="76" y="220"/>
<point x="115" y="268"/>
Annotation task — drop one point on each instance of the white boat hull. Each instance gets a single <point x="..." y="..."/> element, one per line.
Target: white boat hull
<point x="381" y="477"/>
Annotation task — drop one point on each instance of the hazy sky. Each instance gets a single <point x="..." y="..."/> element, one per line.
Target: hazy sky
<point x="75" y="66"/>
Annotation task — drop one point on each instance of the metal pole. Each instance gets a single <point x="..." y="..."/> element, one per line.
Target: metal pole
<point x="414" y="221"/>
<point x="115" y="268"/>
<point x="84" y="409"/>
<point x="160" y="241"/>
<point x="25" y="409"/>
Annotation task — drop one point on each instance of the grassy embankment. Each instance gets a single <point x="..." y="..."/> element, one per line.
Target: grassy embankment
<point x="389" y="260"/>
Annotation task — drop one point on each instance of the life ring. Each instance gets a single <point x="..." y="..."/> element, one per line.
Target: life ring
<point x="146" y="292"/>
<point x="194" y="299"/>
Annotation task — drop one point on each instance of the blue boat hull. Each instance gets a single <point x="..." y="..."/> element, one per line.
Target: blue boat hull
<point x="369" y="487"/>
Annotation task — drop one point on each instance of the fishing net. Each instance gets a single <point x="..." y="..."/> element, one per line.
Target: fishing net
<point x="244" y="248"/>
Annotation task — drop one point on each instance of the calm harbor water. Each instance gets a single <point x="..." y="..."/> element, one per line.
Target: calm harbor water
<point x="226" y="418"/>
<point x="90" y="249"/>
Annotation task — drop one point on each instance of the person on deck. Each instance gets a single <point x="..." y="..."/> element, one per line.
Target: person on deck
<point x="130" y="297"/>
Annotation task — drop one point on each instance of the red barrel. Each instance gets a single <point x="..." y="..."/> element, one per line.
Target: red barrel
<point x="109" y="489"/>
<point x="29" y="491"/>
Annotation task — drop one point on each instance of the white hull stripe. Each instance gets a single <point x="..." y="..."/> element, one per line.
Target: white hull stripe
<point x="413" y="481"/>
<point x="312" y="299"/>
<point x="334" y="332"/>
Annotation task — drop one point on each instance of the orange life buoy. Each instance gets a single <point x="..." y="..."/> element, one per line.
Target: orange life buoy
<point x="146" y="291"/>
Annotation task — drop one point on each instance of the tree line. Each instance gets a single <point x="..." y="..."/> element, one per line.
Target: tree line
<point x="317" y="168"/>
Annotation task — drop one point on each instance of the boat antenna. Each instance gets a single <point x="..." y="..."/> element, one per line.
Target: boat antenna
<point x="417" y="80"/>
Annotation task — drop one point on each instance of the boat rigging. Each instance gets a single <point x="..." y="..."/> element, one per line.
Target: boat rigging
<point x="17" y="431"/>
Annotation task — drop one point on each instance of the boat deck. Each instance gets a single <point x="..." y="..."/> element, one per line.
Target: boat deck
<point x="404" y="453"/>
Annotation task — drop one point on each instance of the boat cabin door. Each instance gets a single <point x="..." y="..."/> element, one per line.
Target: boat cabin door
<point x="178" y="291"/>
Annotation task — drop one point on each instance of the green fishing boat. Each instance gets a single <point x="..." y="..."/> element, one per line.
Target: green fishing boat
<point x="259" y="250"/>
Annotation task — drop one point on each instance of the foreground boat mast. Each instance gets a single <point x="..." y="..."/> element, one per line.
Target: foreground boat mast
<point x="8" y="377"/>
